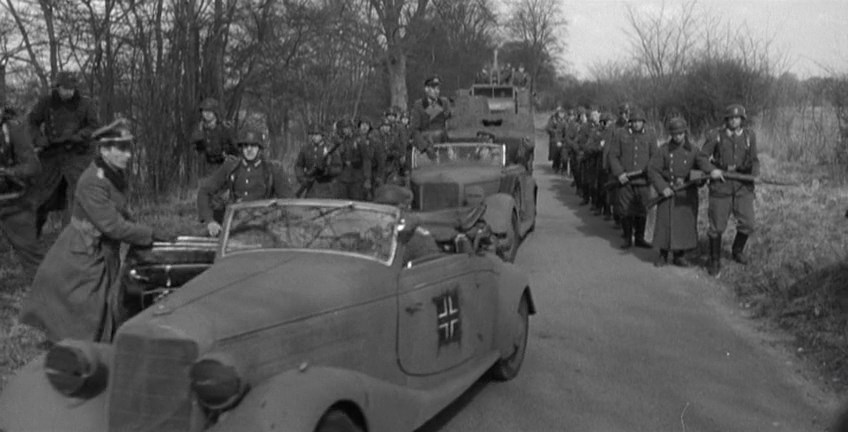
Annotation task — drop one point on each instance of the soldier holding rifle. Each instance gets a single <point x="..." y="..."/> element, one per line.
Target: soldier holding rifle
<point x="18" y="165"/>
<point x="317" y="166"/>
<point x="631" y="150"/>
<point x="733" y="149"/>
<point x="674" y="172"/>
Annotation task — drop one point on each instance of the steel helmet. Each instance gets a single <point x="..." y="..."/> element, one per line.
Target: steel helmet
<point x="735" y="110"/>
<point x="677" y="125"/>
<point x="249" y="135"/>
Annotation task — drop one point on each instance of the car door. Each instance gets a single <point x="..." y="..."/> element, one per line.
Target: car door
<point x="443" y="313"/>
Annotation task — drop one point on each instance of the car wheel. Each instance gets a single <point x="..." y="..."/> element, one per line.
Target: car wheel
<point x="513" y="238"/>
<point x="507" y="367"/>
<point x="337" y="421"/>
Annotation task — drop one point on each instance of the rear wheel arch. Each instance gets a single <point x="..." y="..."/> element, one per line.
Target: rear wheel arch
<point x="350" y="410"/>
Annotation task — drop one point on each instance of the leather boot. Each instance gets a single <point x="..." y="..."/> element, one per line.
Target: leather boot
<point x="662" y="258"/>
<point x="714" y="266"/>
<point x="627" y="227"/>
<point x="680" y="259"/>
<point x="738" y="248"/>
<point x="640" y="233"/>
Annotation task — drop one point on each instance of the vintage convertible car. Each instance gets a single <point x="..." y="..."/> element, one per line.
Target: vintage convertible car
<point x="442" y="185"/>
<point x="316" y="315"/>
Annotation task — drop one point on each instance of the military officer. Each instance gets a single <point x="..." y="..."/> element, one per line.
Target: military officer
<point x="18" y="166"/>
<point x="76" y="291"/>
<point x="354" y="181"/>
<point x="428" y="118"/>
<point x="61" y="125"/>
<point x="631" y="151"/>
<point x="732" y="148"/>
<point x="213" y="137"/>
<point x="556" y="125"/>
<point x="676" y="162"/>
<point x="317" y="166"/>
<point x="250" y="177"/>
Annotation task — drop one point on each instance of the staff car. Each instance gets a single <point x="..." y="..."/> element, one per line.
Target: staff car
<point x="309" y="319"/>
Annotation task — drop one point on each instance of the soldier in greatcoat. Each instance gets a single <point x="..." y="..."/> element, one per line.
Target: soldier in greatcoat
<point x="61" y="124"/>
<point x="250" y="177"/>
<point x="676" y="162"/>
<point x="631" y="151"/>
<point x="317" y="165"/>
<point x="428" y="118"/>
<point x="18" y="166"/>
<point x="76" y="290"/>
<point x="732" y="148"/>
<point x="555" y="126"/>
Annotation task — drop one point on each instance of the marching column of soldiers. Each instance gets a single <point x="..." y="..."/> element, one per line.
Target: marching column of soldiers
<point x="622" y="169"/>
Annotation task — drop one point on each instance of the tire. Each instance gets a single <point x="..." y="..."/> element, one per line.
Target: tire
<point x="507" y="367"/>
<point x="337" y="421"/>
<point x="514" y="237"/>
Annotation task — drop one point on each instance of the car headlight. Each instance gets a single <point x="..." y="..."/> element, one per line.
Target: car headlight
<point x="75" y="369"/>
<point x="217" y="381"/>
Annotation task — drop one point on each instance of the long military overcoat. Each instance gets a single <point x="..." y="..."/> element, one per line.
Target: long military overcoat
<point x="75" y="293"/>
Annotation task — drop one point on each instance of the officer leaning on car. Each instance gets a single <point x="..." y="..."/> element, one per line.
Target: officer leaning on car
<point x="250" y="177"/>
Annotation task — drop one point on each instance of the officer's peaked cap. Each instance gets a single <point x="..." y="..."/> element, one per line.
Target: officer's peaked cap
<point x="433" y="81"/>
<point x="116" y="133"/>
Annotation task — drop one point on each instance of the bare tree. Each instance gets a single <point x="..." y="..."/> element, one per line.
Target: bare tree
<point x="537" y="24"/>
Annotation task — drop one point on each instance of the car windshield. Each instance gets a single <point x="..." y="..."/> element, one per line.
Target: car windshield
<point x="482" y="154"/>
<point x="362" y="229"/>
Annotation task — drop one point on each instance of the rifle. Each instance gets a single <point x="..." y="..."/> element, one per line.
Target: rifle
<point x="614" y="183"/>
<point x="20" y="187"/>
<point x="747" y="178"/>
<point x="312" y="176"/>
<point x="685" y="185"/>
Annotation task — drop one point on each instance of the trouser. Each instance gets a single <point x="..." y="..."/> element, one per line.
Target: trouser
<point x="18" y="224"/>
<point x="632" y="199"/>
<point x="352" y="190"/>
<point x="327" y="189"/>
<point x="741" y="206"/>
<point x="54" y="187"/>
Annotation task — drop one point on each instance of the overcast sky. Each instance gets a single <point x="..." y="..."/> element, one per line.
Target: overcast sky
<point x="810" y="32"/>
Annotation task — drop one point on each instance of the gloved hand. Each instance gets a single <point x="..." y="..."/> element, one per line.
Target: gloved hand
<point x="559" y="144"/>
<point x="162" y="236"/>
<point x="667" y="192"/>
<point x="623" y="179"/>
<point x="716" y="174"/>
<point x="213" y="228"/>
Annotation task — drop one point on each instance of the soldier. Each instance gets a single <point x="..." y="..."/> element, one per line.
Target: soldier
<point x="420" y="242"/>
<point x="368" y="137"/>
<point x="61" y="125"/>
<point x="18" y="166"/>
<point x="574" y="145"/>
<point x="76" y="290"/>
<point x="354" y="181"/>
<point x="213" y="137"/>
<point x="588" y="145"/>
<point x="428" y="120"/>
<point x="250" y="177"/>
<point x="673" y="165"/>
<point x="555" y="127"/>
<point x="520" y="78"/>
<point x="623" y="116"/>
<point x="396" y="169"/>
<point x="732" y="148"/>
<point x="317" y="166"/>
<point x="482" y="76"/>
<point x="630" y="153"/>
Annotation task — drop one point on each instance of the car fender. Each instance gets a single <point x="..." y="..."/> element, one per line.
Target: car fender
<point x="499" y="209"/>
<point x="513" y="286"/>
<point x="30" y="403"/>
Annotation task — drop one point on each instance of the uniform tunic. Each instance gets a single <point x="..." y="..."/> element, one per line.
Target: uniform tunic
<point x="17" y="217"/>
<point x="245" y="181"/>
<point x="316" y="162"/>
<point x="729" y="149"/>
<point x="677" y="218"/>
<point x="555" y="127"/>
<point x="632" y="151"/>
<point x="356" y="168"/>
<point x="214" y="142"/>
<point x="76" y="291"/>
<point x="428" y="122"/>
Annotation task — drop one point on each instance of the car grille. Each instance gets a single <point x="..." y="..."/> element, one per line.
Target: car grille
<point x="150" y="384"/>
<point x="438" y="196"/>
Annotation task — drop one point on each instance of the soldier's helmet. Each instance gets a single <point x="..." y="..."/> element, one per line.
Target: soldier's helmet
<point x="209" y="104"/>
<point x="314" y="129"/>
<point x="560" y="108"/>
<point x="677" y="125"/>
<point x="735" y="110"/>
<point x="393" y="111"/>
<point x="637" y="114"/>
<point x="624" y="108"/>
<point x="386" y="124"/>
<point x="67" y="79"/>
<point x="115" y="134"/>
<point x="362" y="121"/>
<point x="344" y="123"/>
<point x="250" y="135"/>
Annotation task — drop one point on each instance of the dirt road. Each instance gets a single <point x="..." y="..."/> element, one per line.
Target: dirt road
<point x="619" y="345"/>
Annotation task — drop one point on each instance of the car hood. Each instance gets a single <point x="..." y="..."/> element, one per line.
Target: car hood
<point x="249" y="291"/>
<point x="461" y="174"/>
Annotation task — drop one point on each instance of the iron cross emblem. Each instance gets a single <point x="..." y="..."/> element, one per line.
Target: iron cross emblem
<point x="448" y="318"/>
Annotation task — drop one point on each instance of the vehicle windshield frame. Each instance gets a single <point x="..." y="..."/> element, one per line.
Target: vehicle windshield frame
<point x="331" y="204"/>
<point x="418" y="157"/>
